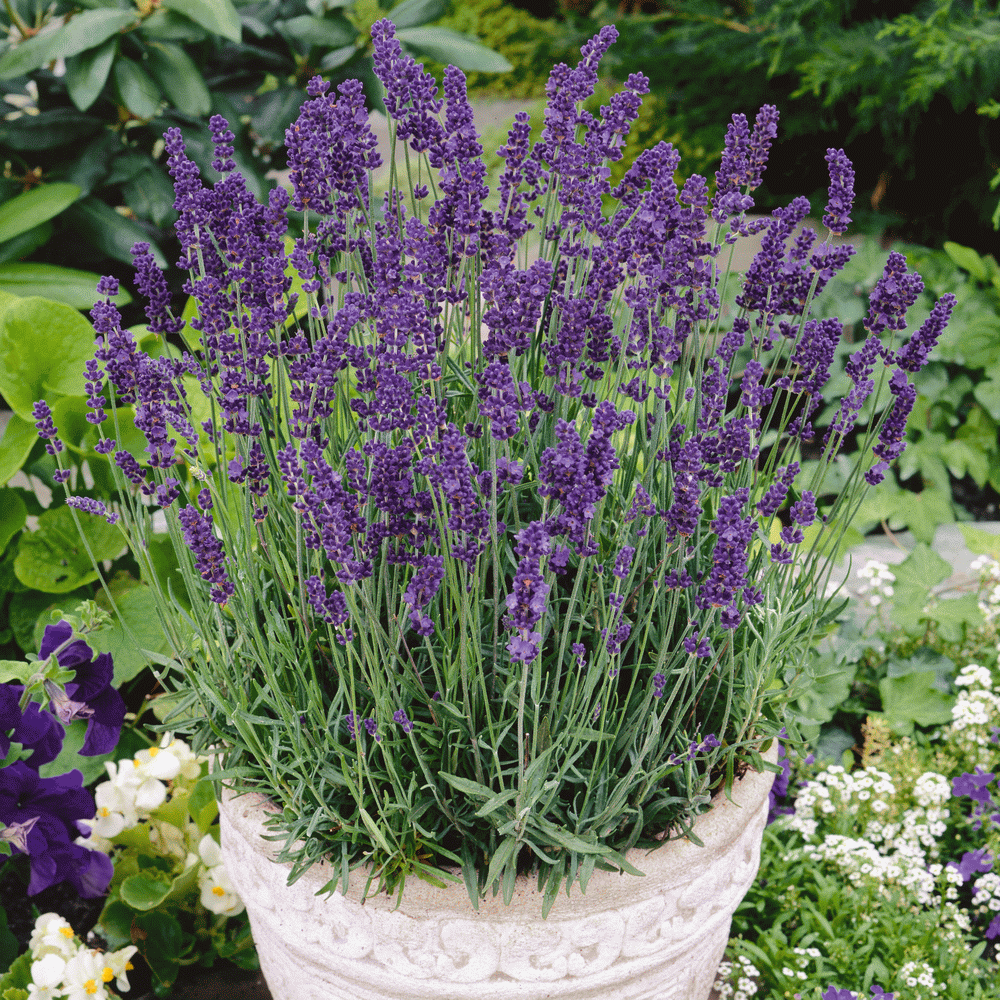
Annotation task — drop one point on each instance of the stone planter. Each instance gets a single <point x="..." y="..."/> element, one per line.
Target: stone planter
<point x="660" y="937"/>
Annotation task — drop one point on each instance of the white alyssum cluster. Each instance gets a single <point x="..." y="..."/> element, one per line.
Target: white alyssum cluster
<point x="878" y="580"/>
<point x="975" y="714"/>
<point x="860" y="860"/>
<point x="63" y="968"/>
<point x="744" y="972"/>
<point x="835" y="790"/>
<point x="919" y="977"/>
<point x="988" y="571"/>
<point x="986" y="894"/>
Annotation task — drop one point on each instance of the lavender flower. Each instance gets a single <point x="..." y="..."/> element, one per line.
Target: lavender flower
<point x="209" y="555"/>
<point x="841" y="194"/>
<point x="892" y="437"/>
<point x="892" y="295"/>
<point x="46" y="428"/>
<point x="526" y="600"/>
<point x="914" y="355"/>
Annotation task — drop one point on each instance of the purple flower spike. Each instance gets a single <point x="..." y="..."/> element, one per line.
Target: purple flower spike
<point x="892" y="295"/>
<point x="841" y="194"/>
<point x="46" y="427"/>
<point x="208" y="552"/>
<point x="914" y="355"/>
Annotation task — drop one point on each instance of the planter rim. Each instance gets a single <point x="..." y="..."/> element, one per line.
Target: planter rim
<point x="671" y="864"/>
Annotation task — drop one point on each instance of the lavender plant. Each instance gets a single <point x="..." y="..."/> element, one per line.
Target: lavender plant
<point x="499" y="547"/>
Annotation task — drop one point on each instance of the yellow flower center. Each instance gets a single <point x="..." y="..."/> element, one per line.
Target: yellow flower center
<point x="153" y="751"/>
<point x="104" y="811"/>
<point x="90" y="986"/>
<point x="67" y="932"/>
<point x="129" y="966"/>
<point x="218" y="890"/>
<point x="107" y="974"/>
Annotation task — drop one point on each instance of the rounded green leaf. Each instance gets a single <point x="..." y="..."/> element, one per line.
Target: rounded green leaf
<point x="53" y="557"/>
<point x="18" y="439"/>
<point x="50" y="281"/>
<point x="34" y="207"/>
<point x="135" y="89"/>
<point x="143" y="893"/>
<point x="13" y="515"/>
<point x="449" y="47"/>
<point x="43" y="348"/>
<point x="179" y="79"/>
<point x="325" y="32"/>
<point x="87" y="73"/>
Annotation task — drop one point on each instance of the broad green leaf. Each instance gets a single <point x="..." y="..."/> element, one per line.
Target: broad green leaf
<point x="53" y="558"/>
<point x="413" y="13"/>
<point x="914" y="699"/>
<point x="111" y="233"/>
<point x="18" y="439"/>
<point x="956" y="616"/>
<point x="87" y="73"/>
<point x="987" y="394"/>
<point x="16" y="670"/>
<point x="179" y="79"/>
<point x="13" y="515"/>
<point x="202" y="804"/>
<point x="69" y="757"/>
<point x="964" y="459"/>
<point x="144" y="893"/>
<point x="981" y="542"/>
<point x="27" y="243"/>
<point x="338" y="57"/>
<point x="449" y="47"/>
<point x="324" y="32"/>
<point x="84" y="31"/>
<point x="136" y="90"/>
<point x="161" y="941"/>
<point x="217" y="16"/>
<point x="270" y="113"/>
<point x="150" y="194"/>
<point x="50" y="281"/>
<point x="967" y="258"/>
<point x="35" y="207"/>
<point x="43" y="348"/>
<point x="133" y="633"/>
<point x="168" y="26"/>
<point x="57" y="127"/>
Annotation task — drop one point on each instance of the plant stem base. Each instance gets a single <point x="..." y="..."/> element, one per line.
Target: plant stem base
<point x="660" y="937"/>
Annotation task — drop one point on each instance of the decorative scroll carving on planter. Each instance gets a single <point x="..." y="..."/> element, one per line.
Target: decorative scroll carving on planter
<point x="660" y="937"/>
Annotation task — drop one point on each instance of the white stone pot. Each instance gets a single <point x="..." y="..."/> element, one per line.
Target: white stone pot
<point x="659" y="937"/>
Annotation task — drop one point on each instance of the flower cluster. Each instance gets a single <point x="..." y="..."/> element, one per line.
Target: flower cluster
<point x="42" y="817"/>
<point x="63" y="968"/>
<point x="485" y="441"/>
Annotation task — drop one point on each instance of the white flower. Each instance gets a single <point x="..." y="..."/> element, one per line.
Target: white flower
<point x="217" y="891"/>
<point x="52" y="936"/>
<point x="87" y="974"/>
<point x="47" y="977"/>
<point x="190" y="764"/>
<point x="118" y="962"/>
<point x="157" y="763"/>
<point x="26" y="104"/>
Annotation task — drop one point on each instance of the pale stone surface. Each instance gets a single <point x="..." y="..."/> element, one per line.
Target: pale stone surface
<point x="659" y="937"/>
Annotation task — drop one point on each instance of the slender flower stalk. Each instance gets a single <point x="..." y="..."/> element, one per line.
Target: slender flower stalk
<point x="504" y="505"/>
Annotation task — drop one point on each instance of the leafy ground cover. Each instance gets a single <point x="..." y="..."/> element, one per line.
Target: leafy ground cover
<point x="877" y="868"/>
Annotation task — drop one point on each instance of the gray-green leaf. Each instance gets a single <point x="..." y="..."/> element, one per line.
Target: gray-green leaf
<point x="413" y="13"/>
<point x="50" y="281"/>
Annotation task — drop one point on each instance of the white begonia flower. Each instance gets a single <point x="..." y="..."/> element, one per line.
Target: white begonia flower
<point x="87" y="975"/>
<point x="157" y="763"/>
<point x="116" y="810"/>
<point x="119" y="964"/>
<point x="189" y="762"/>
<point x="52" y="936"/>
<point x="218" y="893"/>
<point x="143" y="791"/>
<point x="47" y="977"/>
<point x="210" y="852"/>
